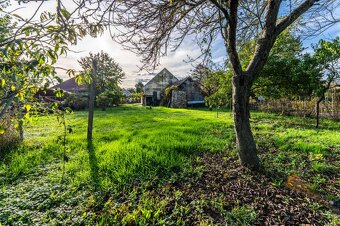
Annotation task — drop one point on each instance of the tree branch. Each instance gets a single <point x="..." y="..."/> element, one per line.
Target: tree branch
<point x="266" y="42"/>
<point x="296" y="13"/>
<point x="231" y="38"/>
<point x="220" y="7"/>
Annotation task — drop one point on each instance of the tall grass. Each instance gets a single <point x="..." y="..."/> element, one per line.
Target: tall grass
<point x="133" y="143"/>
<point x="130" y="144"/>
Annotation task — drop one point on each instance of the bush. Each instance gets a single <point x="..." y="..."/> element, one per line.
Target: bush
<point x="75" y="102"/>
<point x="9" y="136"/>
<point x="108" y="99"/>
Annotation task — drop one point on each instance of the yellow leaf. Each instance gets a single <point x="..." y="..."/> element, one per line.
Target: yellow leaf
<point x="13" y="87"/>
<point x="2" y="131"/>
<point x="3" y="82"/>
<point x="27" y="107"/>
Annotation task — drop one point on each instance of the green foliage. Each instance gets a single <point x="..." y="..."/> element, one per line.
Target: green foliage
<point x="24" y="68"/>
<point x="169" y="90"/>
<point x="328" y="53"/>
<point x="30" y="48"/>
<point x="139" y="87"/>
<point x="214" y="84"/>
<point x="241" y="216"/>
<point x="109" y="98"/>
<point x="75" y="102"/>
<point x="327" y="56"/>
<point x="109" y="73"/>
<point x="288" y="73"/>
<point x="222" y="95"/>
<point x="291" y="74"/>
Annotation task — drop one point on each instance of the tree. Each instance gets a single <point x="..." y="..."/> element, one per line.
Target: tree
<point x="23" y="70"/>
<point x="288" y="73"/>
<point x="109" y="73"/>
<point x="222" y="96"/>
<point x="150" y="27"/>
<point x="276" y="79"/>
<point x="327" y="55"/>
<point x="139" y="87"/>
<point x="215" y="85"/>
<point x="29" y="47"/>
<point x="206" y="79"/>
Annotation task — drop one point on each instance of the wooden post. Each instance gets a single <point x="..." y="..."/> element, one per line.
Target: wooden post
<point x="91" y="102"/>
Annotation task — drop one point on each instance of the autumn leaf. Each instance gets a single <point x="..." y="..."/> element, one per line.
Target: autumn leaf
<point x="2" y="131"/>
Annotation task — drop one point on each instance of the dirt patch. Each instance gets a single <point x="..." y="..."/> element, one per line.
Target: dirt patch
<point x="225" y="180"/>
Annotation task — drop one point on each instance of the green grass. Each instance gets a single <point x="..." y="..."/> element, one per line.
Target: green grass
<point x="130" y="143"/>
<point x="136" y="146"/>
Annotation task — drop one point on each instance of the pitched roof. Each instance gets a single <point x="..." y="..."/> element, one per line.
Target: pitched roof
<point x="126" y="92"/>
<point x="164" y="71"/>
<point x="180" y="82"/>
<point x="69" y="85"/>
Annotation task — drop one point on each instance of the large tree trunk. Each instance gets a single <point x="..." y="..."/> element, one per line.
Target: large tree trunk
<point x="245" y="143"/>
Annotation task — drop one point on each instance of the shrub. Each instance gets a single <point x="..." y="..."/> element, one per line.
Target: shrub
<point x="9" y="136"/>
<point x="108" y="99"/>
<point x="75" y="102"/>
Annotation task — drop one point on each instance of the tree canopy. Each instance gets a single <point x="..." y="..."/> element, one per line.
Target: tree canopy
<point x="109" y="73"/>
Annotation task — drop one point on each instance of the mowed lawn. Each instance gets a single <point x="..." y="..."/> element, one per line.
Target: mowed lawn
<point x="135" y="148"/>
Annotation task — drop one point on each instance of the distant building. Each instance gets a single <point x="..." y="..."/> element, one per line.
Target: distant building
<point x="186" y="92"/>
<point x="154" y="89"/>
<point x="71" y="86"/>
<point x="127" y="96"/>
<point x="183" y="92"/>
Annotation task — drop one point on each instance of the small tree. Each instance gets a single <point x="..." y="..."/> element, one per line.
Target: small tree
<point x="327" y="54"/>
<point x="109" y="98"/>
<point x="139" y="87"/>
<point x="221" y="89"/>
<point x="109" y="73"/>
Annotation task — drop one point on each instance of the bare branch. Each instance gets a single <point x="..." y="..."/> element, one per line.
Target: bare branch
<point x="294" y="15"/>
<point x="231" y="37"/>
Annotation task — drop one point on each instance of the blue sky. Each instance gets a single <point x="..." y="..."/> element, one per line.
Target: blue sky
<point x="174" y="61"/>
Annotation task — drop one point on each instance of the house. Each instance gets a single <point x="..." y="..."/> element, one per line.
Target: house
<point x="71" y="86"/>
<point x="127" y="96"/>
<point x="186" y="92"/>
<point x="182" y="93"/>
<point x="155" y="88"/>
<point x="126" y="93"/>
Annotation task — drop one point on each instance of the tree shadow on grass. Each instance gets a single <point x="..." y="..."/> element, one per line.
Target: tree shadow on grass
<point x="93" y="165"/>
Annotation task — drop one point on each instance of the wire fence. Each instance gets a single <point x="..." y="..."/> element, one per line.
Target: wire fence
<point x="329" y="108"/>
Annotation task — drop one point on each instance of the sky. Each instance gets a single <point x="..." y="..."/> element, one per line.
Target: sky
<point x="175" y="61"/>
